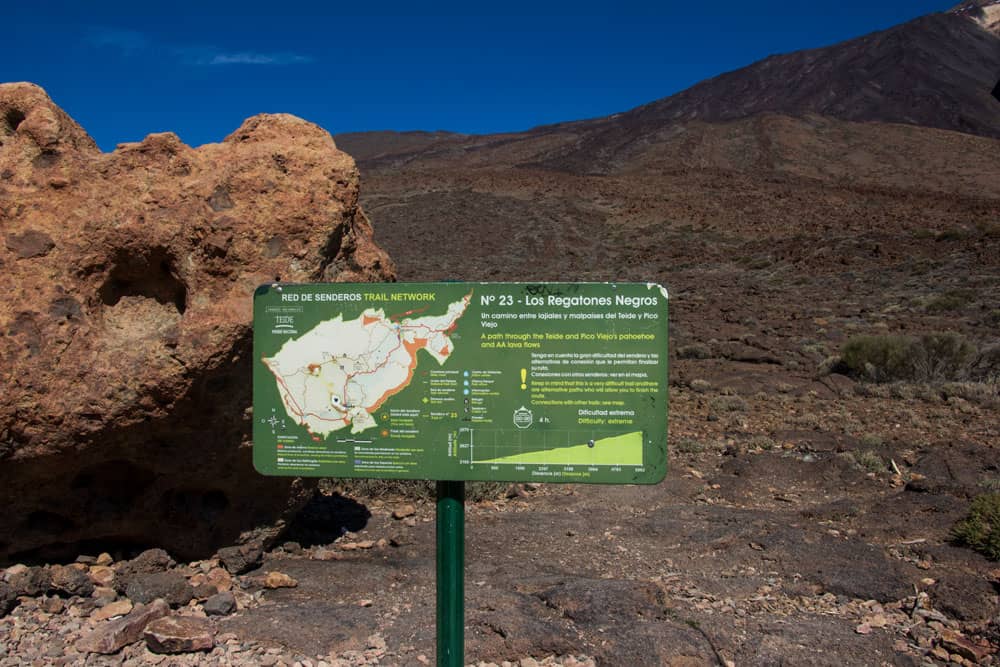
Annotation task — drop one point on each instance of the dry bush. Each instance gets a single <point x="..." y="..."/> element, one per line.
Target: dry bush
<point x="981" y="529"/>
<point x="694" y="351"/>
<point x="934" y="357"/>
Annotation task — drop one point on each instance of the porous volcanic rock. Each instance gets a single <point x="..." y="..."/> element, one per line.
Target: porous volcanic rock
<point x="125" y="326"/>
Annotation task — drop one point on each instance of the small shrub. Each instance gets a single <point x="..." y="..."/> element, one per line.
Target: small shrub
<point x="981" y="529"/>
<point x="831" y="364"/>
<point x="815" y="350"/>
<point x="878" y="358"/>
<point x="694" y="351"/>
<point x="689" y="446"/>
<point x="949" y="301"/>
<point x="991" y="484"/>
<point x="973" y="392"/>
<point x="941" y="356"/>
<point x="870" y="461"/>
<point x="763" y="442"/>
<point x="700" y="386"/>
<point x="934" y="357"/>
<point x="728" y="404"/>
<point x="986" y="367"/>
<point x="871" y="441"/>
<point x="953" y="234"/>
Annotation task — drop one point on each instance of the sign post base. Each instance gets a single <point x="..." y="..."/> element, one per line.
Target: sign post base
<point x="450" y="574"/>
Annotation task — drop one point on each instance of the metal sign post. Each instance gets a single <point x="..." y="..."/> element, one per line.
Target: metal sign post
<point x="514" y="382"/>
<point x="450" y="574"/>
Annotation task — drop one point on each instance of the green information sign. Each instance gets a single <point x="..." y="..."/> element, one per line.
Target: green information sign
<point x="544" y="382"/>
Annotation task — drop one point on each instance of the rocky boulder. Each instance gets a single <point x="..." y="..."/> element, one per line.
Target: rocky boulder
<point x="125" y="327"/>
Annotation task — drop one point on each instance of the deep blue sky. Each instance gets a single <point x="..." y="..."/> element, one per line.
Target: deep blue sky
<point x="125" y="69"/>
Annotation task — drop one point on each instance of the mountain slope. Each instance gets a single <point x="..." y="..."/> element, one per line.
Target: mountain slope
<point x="935" y="71"/>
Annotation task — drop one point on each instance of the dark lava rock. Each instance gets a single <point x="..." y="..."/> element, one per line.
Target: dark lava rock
<point x="204" y="591"/>
<point x="242" y="558"/>
<point x="8" y="599"/>
<point x="605" y="600"/>
<point x="169" y="586"/>
<point x="221" y="604"/>
<point x="32" y="582"/>
<point x="965" y="597"/>
<point x="954" y="468"/>
<point x="843" y="567"/>
<point x="148" y="562"/>
<point x="71" y="581"/>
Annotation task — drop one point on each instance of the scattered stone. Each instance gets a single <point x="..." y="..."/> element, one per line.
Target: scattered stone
<point x="71" y="581"/>
<point x="103" y="595"/>
<point x="31" y="243"/>
<point x="404" y="511"/>
<point x="242" y="558"/>
<point x="400" y="539"/>
<point x="515" y="491"/>
<point x="30" y="581"/>
<point x="169" y="586"/>
<point x="102" y="575"/>
<point x="323" y="553"/>
<point x="113" y="635"/>
<point x="8" y="599"/>
<point x="220" y="604"/>
<point x="204" y="591"/>
<point x="86" y="560"/>
<point x="219" y="578"/>
<point x="179" y="634"/>
<point x="150" y="561"/>
<point x="53" y="605"/>
<point x="279" y="580"/>
<point x="957" y="643"/>
<point x="119" y="608"/>
<point x="291" y="547"/>
<point x="104" y="559"/>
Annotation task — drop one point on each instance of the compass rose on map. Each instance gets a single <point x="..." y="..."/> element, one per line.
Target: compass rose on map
<point x="274" y="421"/>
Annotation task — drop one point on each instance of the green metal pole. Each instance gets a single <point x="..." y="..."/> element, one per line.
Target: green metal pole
<point x="450" y="574"/>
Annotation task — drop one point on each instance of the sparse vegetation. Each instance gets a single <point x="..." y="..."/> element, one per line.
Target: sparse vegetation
<point x="949" y="301"/>
<point x="694" y="351"/>
<point x="700" y="386"/>
<point x="991" y="484"/>
<point x="870" y="461"/>
<point x="689" y="446"/>
<point x="763" y="442"/>
<point x="981" y="529"/>
<point x="934" y="357"/>
<point x="728" y="404"/>
<point x="871" y="441"/>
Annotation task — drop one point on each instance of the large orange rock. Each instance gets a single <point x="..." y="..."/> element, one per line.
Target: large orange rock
<point x="125" y="322"/>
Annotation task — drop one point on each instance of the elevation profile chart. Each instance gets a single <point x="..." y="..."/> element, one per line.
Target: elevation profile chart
<point x="559" y="382"/>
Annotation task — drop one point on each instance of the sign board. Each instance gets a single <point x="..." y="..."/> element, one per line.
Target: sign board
<point x="549" y="382"/>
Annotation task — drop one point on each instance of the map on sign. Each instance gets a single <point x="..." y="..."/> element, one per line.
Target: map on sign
<point x="341" y="371"/>
<point x="554" y="382"/>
